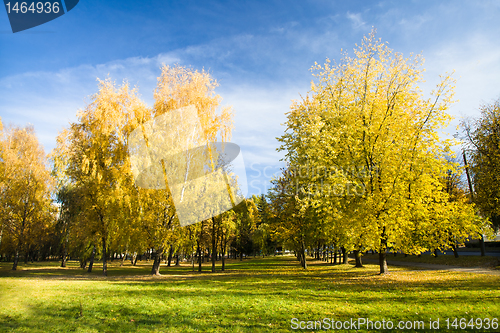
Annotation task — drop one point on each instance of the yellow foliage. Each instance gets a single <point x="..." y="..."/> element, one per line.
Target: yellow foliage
<point x="365" y="143"/>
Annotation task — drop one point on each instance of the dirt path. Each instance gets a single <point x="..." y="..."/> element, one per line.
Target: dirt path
<point x="434" y="267"/>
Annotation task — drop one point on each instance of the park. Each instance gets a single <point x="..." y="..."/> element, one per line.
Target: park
<point x="100" y="243"/>
<point x="140" y="218"/>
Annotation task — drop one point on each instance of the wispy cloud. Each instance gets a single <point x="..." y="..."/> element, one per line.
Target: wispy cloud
<point x="356" y="20"/>
<point x="414" y="23"/>
<point x="261" y="69"/>
<point x="50" y="100"/>
<point x="476" y="61"/>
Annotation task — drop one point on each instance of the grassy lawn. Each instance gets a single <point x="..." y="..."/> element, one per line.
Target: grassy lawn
<point x="256" y="295"/>
<point x="461" y="261"/>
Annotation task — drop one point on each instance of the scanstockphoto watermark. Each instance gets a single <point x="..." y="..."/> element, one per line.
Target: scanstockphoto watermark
<point x="205" y="178"/>
<point x="322" y="189"/>
<point x="433" y="324"/>
<point x="358" y="324"/>
<point x="308" y="171"/>
<point x="25" y="15"/>
<point x="312" y="181"/>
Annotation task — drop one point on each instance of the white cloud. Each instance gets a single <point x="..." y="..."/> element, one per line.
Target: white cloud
<point x="49" y="100"/>
<point x="260" y="74"/>
<point x="356" y="20"/>
<point x="476" y="61"/>
<point x="413" y="23"/>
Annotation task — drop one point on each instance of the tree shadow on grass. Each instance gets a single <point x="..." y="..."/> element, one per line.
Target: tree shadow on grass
<point x="247" y="300"/>
<point x="205" y="306"/>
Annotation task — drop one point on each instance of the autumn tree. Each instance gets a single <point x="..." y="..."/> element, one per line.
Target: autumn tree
<point x="246" y="217"/>
<point x="369" y="141"/>
<point x="227" y="233"/>
<point x="69" y="212"/>
<point x="26" y="187"/>
<point x="92" y="154"/>
<point x="483" y="148"/>
<point x="94" y="157"/>
<point x="186" y="120"/>
<point x="262" y="236"/>
<point x="293" y="224"/>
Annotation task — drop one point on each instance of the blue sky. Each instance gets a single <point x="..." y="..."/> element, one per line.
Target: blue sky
<point x="261" y="53"/>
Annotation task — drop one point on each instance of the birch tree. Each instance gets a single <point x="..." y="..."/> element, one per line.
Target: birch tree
<point x="92" y="154"/>
<point x="26" y="187"/>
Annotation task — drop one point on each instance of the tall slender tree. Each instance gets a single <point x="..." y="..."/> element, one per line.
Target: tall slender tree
<point x="26" y="188"/>
<point x="93" y="155"/>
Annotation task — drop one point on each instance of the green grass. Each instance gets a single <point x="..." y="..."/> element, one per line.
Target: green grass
<point x="256" y="295"/>
<point x="461" y="261"/>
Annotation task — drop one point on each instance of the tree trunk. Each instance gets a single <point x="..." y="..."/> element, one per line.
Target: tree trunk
<point x="222" y="248"/>
<point x="214" y="245"/>
<point x="344" y="255"/>
<point x="123" y="258"/>
<point x="455" y="252"/>
<point x="170" y="254"/>
<point x="193" y="255"/>
<point x="156" y="262"/>
<point x="104" y="259"/>
<point x="483" y="247"/>
<point x="199" y="256"/>
<point x="357" y="257"/>
<point x="16" y="260"/>
<point x="471" y="198"/>
<point x="177" y="263"/>
<point x="303" y="255"/>
<point x="91" y="264"/>
<point x="223" y="259"/>
<point x="335" y="256"/>
<point x="382" y="253"/>
<point x="64" y="252"/>
<point x="382" y="259"/>
<point x="19" y="243"/>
